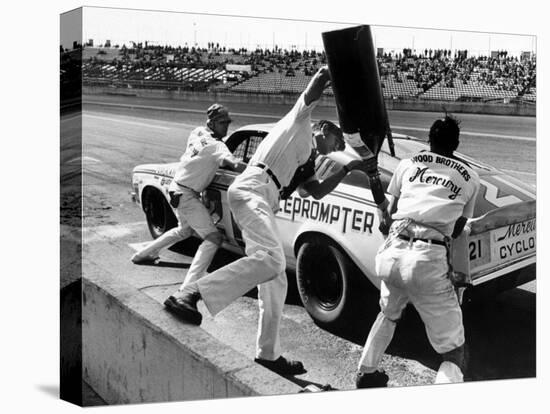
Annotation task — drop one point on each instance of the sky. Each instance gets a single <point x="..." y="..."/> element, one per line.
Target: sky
<point x="121" y="26"/>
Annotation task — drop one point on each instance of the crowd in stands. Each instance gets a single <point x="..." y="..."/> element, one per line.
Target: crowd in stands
<point x="502" y="72"/>
<point x="403" y="74"/>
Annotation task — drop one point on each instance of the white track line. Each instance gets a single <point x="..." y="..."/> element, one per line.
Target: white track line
<point x="477" y="134"/>
<point x="106" y="118"/>
<point x="194" y="111"/>
<point x="65" y="118"/>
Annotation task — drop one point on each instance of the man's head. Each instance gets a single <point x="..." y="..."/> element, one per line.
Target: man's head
<point x="218" y="120"/>
<point x="444" y="134"/>
<point x="328" y="136"/>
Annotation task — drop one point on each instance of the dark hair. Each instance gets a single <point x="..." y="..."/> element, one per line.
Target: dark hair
<point x="327" y="127"/>
<point x="444" y="133"/>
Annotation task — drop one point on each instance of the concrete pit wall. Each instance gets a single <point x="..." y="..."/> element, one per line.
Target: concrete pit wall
<point x="486" y="108"/>
<point x="136" y="352"/>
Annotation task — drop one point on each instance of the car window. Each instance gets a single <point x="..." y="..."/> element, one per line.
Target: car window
<point x="244" y="144"/>
<point x="240" y="151"/>
<point x="253" y="143"/>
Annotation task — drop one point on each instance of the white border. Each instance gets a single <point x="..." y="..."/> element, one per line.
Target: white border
<point x="30" y="207"/>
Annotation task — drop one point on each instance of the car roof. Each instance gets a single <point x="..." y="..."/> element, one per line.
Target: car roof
<point x="266" y="127"/>
<point x="257" y="127"/>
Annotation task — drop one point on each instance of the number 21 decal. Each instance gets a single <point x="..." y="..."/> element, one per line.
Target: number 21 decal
<point x="475" y="249"/>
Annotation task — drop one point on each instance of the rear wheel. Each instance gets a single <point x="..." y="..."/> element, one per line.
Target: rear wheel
<point x="159" y="214"/>
<point x="327" y="282"/>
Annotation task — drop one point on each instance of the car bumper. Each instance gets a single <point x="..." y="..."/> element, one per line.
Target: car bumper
<point x="498" y="285"/>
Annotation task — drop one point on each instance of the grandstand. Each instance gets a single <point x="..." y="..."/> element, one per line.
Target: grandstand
<point x="405" y="76"/>
<point x="276" y="83"/>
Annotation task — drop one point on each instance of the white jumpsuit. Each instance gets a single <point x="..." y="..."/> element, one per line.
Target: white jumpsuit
<point x="433" y="190"/>
<point x="254" y="199"/>
<point x="197" y="167"/>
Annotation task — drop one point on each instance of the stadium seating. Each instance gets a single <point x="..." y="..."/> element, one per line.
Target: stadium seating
<point x="437" y="76"/>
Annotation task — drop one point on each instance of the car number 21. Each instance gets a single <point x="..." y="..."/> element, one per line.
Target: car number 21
<point x="476" y="251"/>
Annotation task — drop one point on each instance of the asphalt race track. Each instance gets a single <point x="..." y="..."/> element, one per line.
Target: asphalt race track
<point x="120" y="133"/>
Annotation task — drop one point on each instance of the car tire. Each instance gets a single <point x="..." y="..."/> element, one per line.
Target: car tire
<point x="159" y="214"/>
<point x="327" y="282"/>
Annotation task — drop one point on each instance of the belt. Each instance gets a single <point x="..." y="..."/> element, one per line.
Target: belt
<point x="413" y="239"/>
<point x="187" y="188"/>
<point x="269" y="172"/>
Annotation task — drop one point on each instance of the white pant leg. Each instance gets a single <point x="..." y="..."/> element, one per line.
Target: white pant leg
<point x="434" y="297"/>
<point x="251" y="205"/>
<point x="271" y="301"/>
<point x="198" y="218"/>
<point x="392" y="303"/>
<point x="172" y="236"/>
<point x="202" y="259"/>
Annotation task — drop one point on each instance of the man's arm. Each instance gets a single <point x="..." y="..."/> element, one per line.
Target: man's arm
<point x="385" y="210"/>
<point x="233" y="163"/>
<point x="459" y="226"/>
<point x="317" y="85"/>
<point x="318" y="189"/>
<point x="463" y="223"/>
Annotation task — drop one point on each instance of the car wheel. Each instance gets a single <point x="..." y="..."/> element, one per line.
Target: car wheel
<point x="326" y="282"/>
<point x="159" y="214"/>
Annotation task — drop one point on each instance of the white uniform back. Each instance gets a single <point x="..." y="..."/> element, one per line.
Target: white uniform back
<point x="434" y="190"/>
<point x="289" y="143"/>
<point x="202" y="157"/>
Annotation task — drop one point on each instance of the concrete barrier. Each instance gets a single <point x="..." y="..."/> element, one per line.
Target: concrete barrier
<point x="486" y="108"/>
<point x="133" y="351"/>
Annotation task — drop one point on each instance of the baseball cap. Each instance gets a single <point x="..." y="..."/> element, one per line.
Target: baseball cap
<point x="218" y="113"/>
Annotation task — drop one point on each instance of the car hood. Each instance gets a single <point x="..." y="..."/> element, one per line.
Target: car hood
<point x="167" y="170"/>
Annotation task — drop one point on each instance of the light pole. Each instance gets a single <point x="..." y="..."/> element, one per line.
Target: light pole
<point x="195" y="34"/>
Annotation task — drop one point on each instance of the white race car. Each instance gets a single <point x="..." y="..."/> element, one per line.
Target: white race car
<point x="331" y="243"/>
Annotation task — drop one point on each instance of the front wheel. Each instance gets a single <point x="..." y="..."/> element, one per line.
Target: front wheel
<point x="326" y="284"/>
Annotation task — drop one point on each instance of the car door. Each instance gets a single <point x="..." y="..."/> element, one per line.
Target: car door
<point x="243" y="144"/>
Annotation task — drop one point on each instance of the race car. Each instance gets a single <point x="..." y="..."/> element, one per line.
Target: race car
<point x="330" y="244"/>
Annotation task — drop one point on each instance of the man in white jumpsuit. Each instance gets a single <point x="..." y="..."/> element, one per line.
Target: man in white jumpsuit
<point x="254" y="199"/>
<point x="432" y="195"/>
<point x="205" y="152"/>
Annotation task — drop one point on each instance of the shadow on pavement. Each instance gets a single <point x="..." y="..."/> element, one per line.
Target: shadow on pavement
<point x="500" y="331"/>
<point x="500" y="335"/>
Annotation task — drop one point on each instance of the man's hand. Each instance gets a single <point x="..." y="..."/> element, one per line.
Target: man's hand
<point x="317" y="84"/>
<point x="370" y="166"/>
<point x="233" y="163"/>
<point x="354" y="165"/>
<point x="324" y="74"/>
<point x="385" y="220"/>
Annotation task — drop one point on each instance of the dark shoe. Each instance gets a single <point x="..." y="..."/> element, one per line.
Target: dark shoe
<point x="374" y="379"/>
<point x="283" y="366"/>
<point x="137" y="259"/>
<point x="185" y="308"/>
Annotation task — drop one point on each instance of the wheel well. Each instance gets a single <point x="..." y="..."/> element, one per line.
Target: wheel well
<point x="150" y="192"/>
<point x="302" y="238"/>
